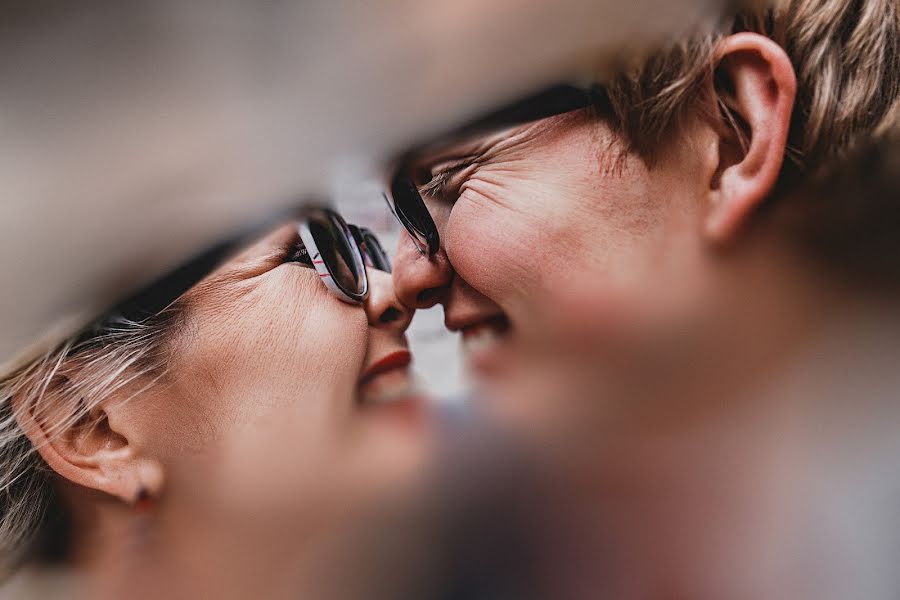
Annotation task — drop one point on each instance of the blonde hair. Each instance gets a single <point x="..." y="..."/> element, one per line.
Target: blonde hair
<point x="845" y="54"/>
<point x="114" y="358"/>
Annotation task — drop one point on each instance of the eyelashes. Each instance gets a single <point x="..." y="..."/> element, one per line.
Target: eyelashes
<point x="295" y="251"/>
<point x="445" y="183"/>
<point x="438" y="185"/>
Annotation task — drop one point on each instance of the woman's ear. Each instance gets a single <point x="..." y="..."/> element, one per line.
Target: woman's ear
<point x="86" y="449"/>
<point x="754" y="86"/>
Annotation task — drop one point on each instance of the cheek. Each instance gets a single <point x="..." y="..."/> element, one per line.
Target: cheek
<point x="303" y="334"/>
<point x="573" y="217"/>
<point x="519" y="234"/>
<point x="487" y="243"/>
<point x="499" y="235"/>
<point x="280" y="343"/>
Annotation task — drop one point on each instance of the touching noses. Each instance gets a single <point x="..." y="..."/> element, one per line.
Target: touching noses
<point x="420" y="281"/>
<point x="383" y="309"/>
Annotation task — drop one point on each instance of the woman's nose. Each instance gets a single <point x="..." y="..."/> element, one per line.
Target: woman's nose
<point x="383" y="309"/>
<point x="420" y="281"/>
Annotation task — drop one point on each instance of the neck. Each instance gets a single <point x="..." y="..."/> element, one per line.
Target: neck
<point x="770" y="426"/>
<point x="766" y="313"/>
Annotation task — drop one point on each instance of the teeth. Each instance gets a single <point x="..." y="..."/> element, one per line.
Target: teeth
<point x="484" y="338"/>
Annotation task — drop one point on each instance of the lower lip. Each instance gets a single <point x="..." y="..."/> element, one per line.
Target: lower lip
<point x="488" y="361"/>
<point x="405" y="405"/>
<point x="385" y="381"/>
<point x="500" y="325"/>
<point x="388" y="378"/>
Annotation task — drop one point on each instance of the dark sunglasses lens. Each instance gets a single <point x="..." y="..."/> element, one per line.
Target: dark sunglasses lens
<point x="360" y="239"/>
<point x="357" y="234"/>
<point x="339" y="251"/>
<point x="375" y="252"/>
<point x="413" y="213"/>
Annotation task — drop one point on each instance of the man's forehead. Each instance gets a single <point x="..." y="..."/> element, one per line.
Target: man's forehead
<point x="451" y="152"/>
<point x="539" y="109"/>
<point x="474" y="148"/>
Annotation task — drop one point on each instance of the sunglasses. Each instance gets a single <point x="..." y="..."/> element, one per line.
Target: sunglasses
<point x="401" y="193"/>
<point x="339" y="253"/>
<point x="372" y="252"/>
<point x="327" y="244"/>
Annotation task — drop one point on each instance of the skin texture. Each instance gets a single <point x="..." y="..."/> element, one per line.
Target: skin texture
<point x="603" y="262"/>
<point x="266" y="370"/>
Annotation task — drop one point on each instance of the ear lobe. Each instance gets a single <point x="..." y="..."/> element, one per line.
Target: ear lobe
<point x="88" y="451"/>
<point x="755" y="87"/>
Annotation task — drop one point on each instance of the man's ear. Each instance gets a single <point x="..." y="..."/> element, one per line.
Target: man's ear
<point x="754" y="86"/>
<point x="87" y="449"/>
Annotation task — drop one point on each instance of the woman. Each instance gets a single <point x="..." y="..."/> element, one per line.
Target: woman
<point x="97" y="433"/>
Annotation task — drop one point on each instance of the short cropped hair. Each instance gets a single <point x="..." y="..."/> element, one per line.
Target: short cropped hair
<point x="845" y="54"/>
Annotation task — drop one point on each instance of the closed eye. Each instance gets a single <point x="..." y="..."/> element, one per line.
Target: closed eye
<point x="438" y="186"/>
<point x="296" y="252"/>
<point x="446" y="180"/>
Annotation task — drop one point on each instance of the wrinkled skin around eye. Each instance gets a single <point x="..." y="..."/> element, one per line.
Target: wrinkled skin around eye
<point x="558" y="229"/>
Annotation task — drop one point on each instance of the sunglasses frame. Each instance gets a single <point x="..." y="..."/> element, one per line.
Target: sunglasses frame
<point x="322" y="268"/>
<point x="427" y="242"/>
<point x="372" y="251"/>
<point x="556" y="100"/>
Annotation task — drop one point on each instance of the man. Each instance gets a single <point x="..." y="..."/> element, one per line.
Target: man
<point x="616" y="247"/>
<point x="700" y="344"/>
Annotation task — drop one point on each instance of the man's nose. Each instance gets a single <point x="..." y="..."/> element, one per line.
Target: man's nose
<point x="420" y="281"/>
<point x="383" y="309"/>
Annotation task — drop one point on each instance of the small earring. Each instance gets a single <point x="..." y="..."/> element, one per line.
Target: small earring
<point x="143" y="501"/>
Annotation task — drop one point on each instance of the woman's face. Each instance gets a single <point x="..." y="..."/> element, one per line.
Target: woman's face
<point x="264" y="340"/>
<point x="284" y="415"/>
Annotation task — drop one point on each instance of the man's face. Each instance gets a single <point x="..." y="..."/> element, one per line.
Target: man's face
<point x="558" y="249"/>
